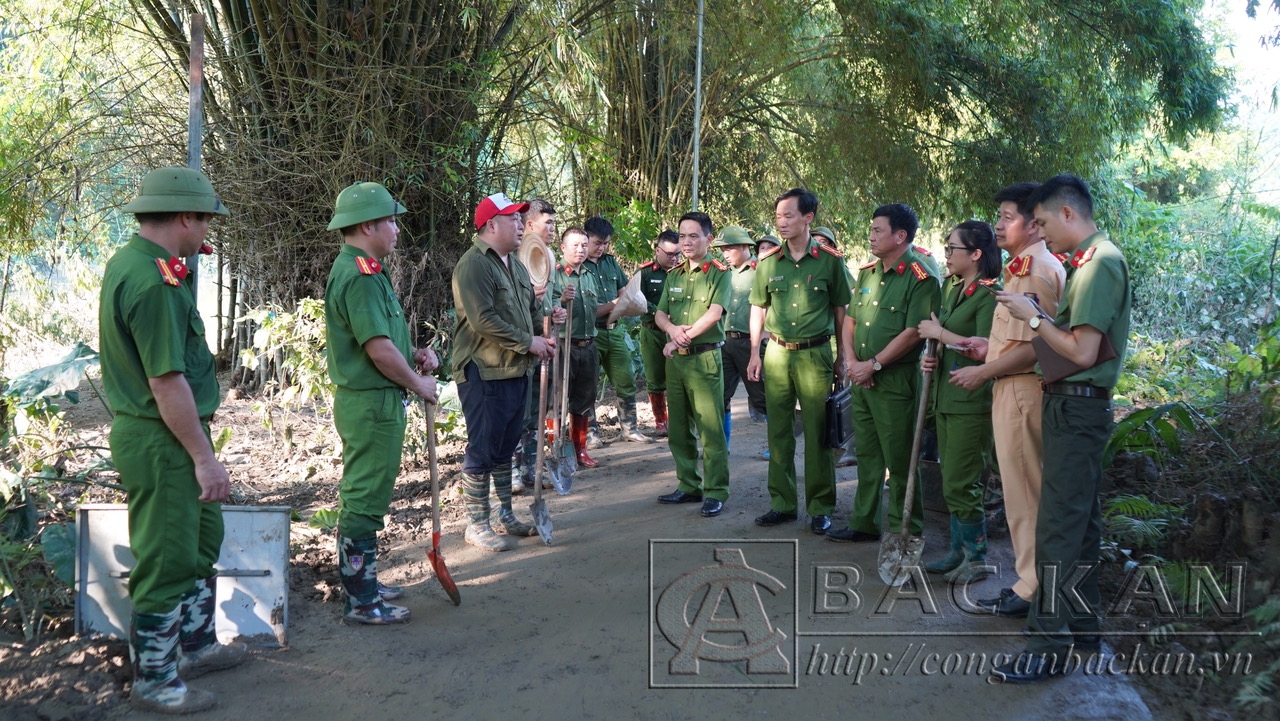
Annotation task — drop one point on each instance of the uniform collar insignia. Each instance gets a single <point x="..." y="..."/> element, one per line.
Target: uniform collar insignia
<point x="368" y="266"/>
<point x="172" y="271"/>
<point x="753" y="265"/>
<point x="901" y="267"/>
<point x="206" y="249"/>
<point x="971" y="287"/>
<point x="1083" y="256"/>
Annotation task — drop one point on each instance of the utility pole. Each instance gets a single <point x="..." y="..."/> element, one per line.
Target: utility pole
<point x="697" y="108"/>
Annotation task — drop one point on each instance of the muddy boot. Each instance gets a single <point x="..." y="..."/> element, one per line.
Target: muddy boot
<point x="153" y="649"/>
<point x="198" y="649"/>
<point x="594" y="441"/>
<point x="506" y="521"/>
<point x="973" y="536"/>
<point x="475" y="489"/>
<point x="728" y="429"/>
<point x="659" y="403"/>
<point x="579" y="437"/>
<point x="627" y="418"/>
<point x="358" y="565"/>
<point x="956" y="555"/>
<point x="850" y="456"/>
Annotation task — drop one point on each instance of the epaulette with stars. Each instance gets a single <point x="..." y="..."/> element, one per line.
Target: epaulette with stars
<point x="988" y="282"/>
<point x="868" y="264"/>
<point x="921" y="273"/>
<point x="922" y="250"/>
<point x="368" y="266"/>
<point x="830" y="250"/>
<point x="1062" y="257"/>
<point x="719" y="264"/>
<point x="172" y="271"/>
<point x="772" y="251"/>
<point x="1019" y="266"/>
<point x="650" y="264"/>
<point x="1083" y="256"/>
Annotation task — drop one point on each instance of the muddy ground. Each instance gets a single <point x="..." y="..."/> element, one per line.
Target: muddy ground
<point x="566" y="630"/>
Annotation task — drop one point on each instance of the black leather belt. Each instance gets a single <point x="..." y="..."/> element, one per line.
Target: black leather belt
<point x="1083" y="390"/>
<point x="803" y="344"/>
<point x="695" y="349"/>
<point x="736" y="334"/>
<point x="582" y="342"/>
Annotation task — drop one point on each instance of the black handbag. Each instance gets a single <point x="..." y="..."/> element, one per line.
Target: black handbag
<point x="839" y="415"/>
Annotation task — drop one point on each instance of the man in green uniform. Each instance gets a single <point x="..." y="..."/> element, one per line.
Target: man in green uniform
<point x="572" y="281"/>
<point x="736" y="246"/>
<point x="494" y="347"/>
<point x="849" y="456"/>
<point x="666" y="253"/>
<point x="611" y="338"/>
<point x="371" y="364"/>
<point x="892" y="295"/>
<point x="691" y="314"/>
<point x="539" y="225"/>
<point x="799" y="296"/>
<point x="1077" y="422"/>
<point x="159" y="379"/>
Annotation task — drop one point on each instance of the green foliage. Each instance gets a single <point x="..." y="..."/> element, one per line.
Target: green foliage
<point x="1138" y="521"/>
<point x="1147" y="430"/>
<point x="325" y="519"/>
<point x="296" y="343"/>
<point x="58" y="541"/>
<point x="1258" y="690"/>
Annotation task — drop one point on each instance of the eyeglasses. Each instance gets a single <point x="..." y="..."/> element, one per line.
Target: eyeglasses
<point x="948" y="249"/>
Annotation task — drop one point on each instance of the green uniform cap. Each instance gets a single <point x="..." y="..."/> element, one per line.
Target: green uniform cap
<point x="732" y="235"/>
<point x="176" y="190"/>
<point x="360" y="202"/>
<point x="766" y="238"/>
<point x="825" y="232"/>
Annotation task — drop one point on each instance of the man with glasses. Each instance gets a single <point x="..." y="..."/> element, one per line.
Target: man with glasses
<point x="653" y="275"/>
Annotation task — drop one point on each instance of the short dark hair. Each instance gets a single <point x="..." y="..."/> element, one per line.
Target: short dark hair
<point x="538" y="206"/>
<point x="806" y="201"/>
<point x="165" y="217"/>
<point x="901" y="217"/>
<point x="1018" y="193"/>
<point x="1060" y="190"/>
<point x="667" y="236"/>
<point x="599" y="227"/>
<point x="572" y="230"/>
<point x="701" y="219"/>
<point x="977" y="235"/>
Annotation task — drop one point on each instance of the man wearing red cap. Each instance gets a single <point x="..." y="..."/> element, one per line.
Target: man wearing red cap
<point x="494" y="347"/>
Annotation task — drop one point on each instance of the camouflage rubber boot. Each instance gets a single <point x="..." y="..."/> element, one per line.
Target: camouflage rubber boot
<point x="506" y="521"/>
<point x="627" y="418"/>
<point x="594" y="441"/>
<point x="973" y="536"/>
<point x="153" y="650"/>
<point x="198" y="649"/>
<point x="475" y="489"/>
<point x="358" y="565"/>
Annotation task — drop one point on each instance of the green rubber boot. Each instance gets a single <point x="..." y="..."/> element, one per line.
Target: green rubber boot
<point x="973" y="536"/>
<point x="953" y="559"/>
<point x="198" y="650"/>
<point x="153" y="649"/>
<point x="506" y="520"/>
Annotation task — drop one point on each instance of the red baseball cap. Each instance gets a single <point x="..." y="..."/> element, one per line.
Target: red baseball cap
<point x="494" y="205"/>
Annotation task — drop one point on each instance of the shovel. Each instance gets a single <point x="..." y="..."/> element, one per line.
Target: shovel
<point x="434" y="555"/>
<point x="541" y="516"/>
<point x="564" y="461"/>
<point x="901" y="551"/>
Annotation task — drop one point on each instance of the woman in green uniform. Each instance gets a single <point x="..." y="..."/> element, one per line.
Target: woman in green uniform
<point x="964" y="417"/>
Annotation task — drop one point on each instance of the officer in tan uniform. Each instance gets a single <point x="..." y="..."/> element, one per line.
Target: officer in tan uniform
<point x="1035" y="272"/>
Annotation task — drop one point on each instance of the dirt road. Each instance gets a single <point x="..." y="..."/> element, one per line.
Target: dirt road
<point x="565" y="631"/>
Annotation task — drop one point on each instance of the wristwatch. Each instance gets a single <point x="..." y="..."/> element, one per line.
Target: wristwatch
<point x="1035" y="322"/>
<point x="875" y="365"/>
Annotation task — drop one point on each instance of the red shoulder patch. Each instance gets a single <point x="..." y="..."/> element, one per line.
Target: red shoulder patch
<point x="719" y="264"/>
<point x="172" y="271"/>
<point x="650" y="264"/>
<point x="753" y="265"/>
<point x="969" y="290"/>
<point x="922" y="250"/>
<point x="868" y="264"/>
<point x="772" y="251"/>
<point x="368" y="266"/>
<point x="988" y="281"/>
<point x="1083" y="256"/>
<point x="921" y="273"/>
<point x="831" y="250"/>
<point x="1020" y="266"/>
<point x="1062" y="257"/>
<point x="206" y="249"/>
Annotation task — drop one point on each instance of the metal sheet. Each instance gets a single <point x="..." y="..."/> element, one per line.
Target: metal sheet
<point x="253" y="572"/>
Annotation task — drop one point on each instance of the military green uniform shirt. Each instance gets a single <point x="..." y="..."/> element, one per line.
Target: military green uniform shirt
<point x="739" y="309"/>
<point x="692" y="289"/>
<point x="1098" y="294"/>
<point x="586" y="297"/>
<point x="610" y="279"/>
<point x="494" y="303"/>
<point x="967" y="310"/>
<point x="801" y="295"/>
<point x="360" y="305"/>
<point x="652" y="280"/>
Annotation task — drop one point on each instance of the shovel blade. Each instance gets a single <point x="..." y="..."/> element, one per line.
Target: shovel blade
<point x="561" y="471"/>
<point x="898" y="554"/>
<point x="442" y="571"/>
<point x="541" y="520"/>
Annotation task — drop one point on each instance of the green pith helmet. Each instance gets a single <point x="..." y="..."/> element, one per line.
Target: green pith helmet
<point x="360" y="202"/>
<point x="825" y="232"/>
<point x="732" y="235"/>
<point x="176" y="190"/>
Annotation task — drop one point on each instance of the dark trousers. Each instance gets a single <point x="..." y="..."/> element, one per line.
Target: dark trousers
<point x="1069" y="521"/>
<point x="736" y="352"/>
<point x="494" y="411"/>
<point x="584" y="376"/>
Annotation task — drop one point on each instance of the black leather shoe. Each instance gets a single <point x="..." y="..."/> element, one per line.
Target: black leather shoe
<point x="1027" y="667"/>
<point x="820" y="524"/>
<point x="1008" y="605"/>
<point x="773" y="518"/>
<point x="712" y="507"/>
<point x="680" y="497"/>
<point x="845" y="535"/>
